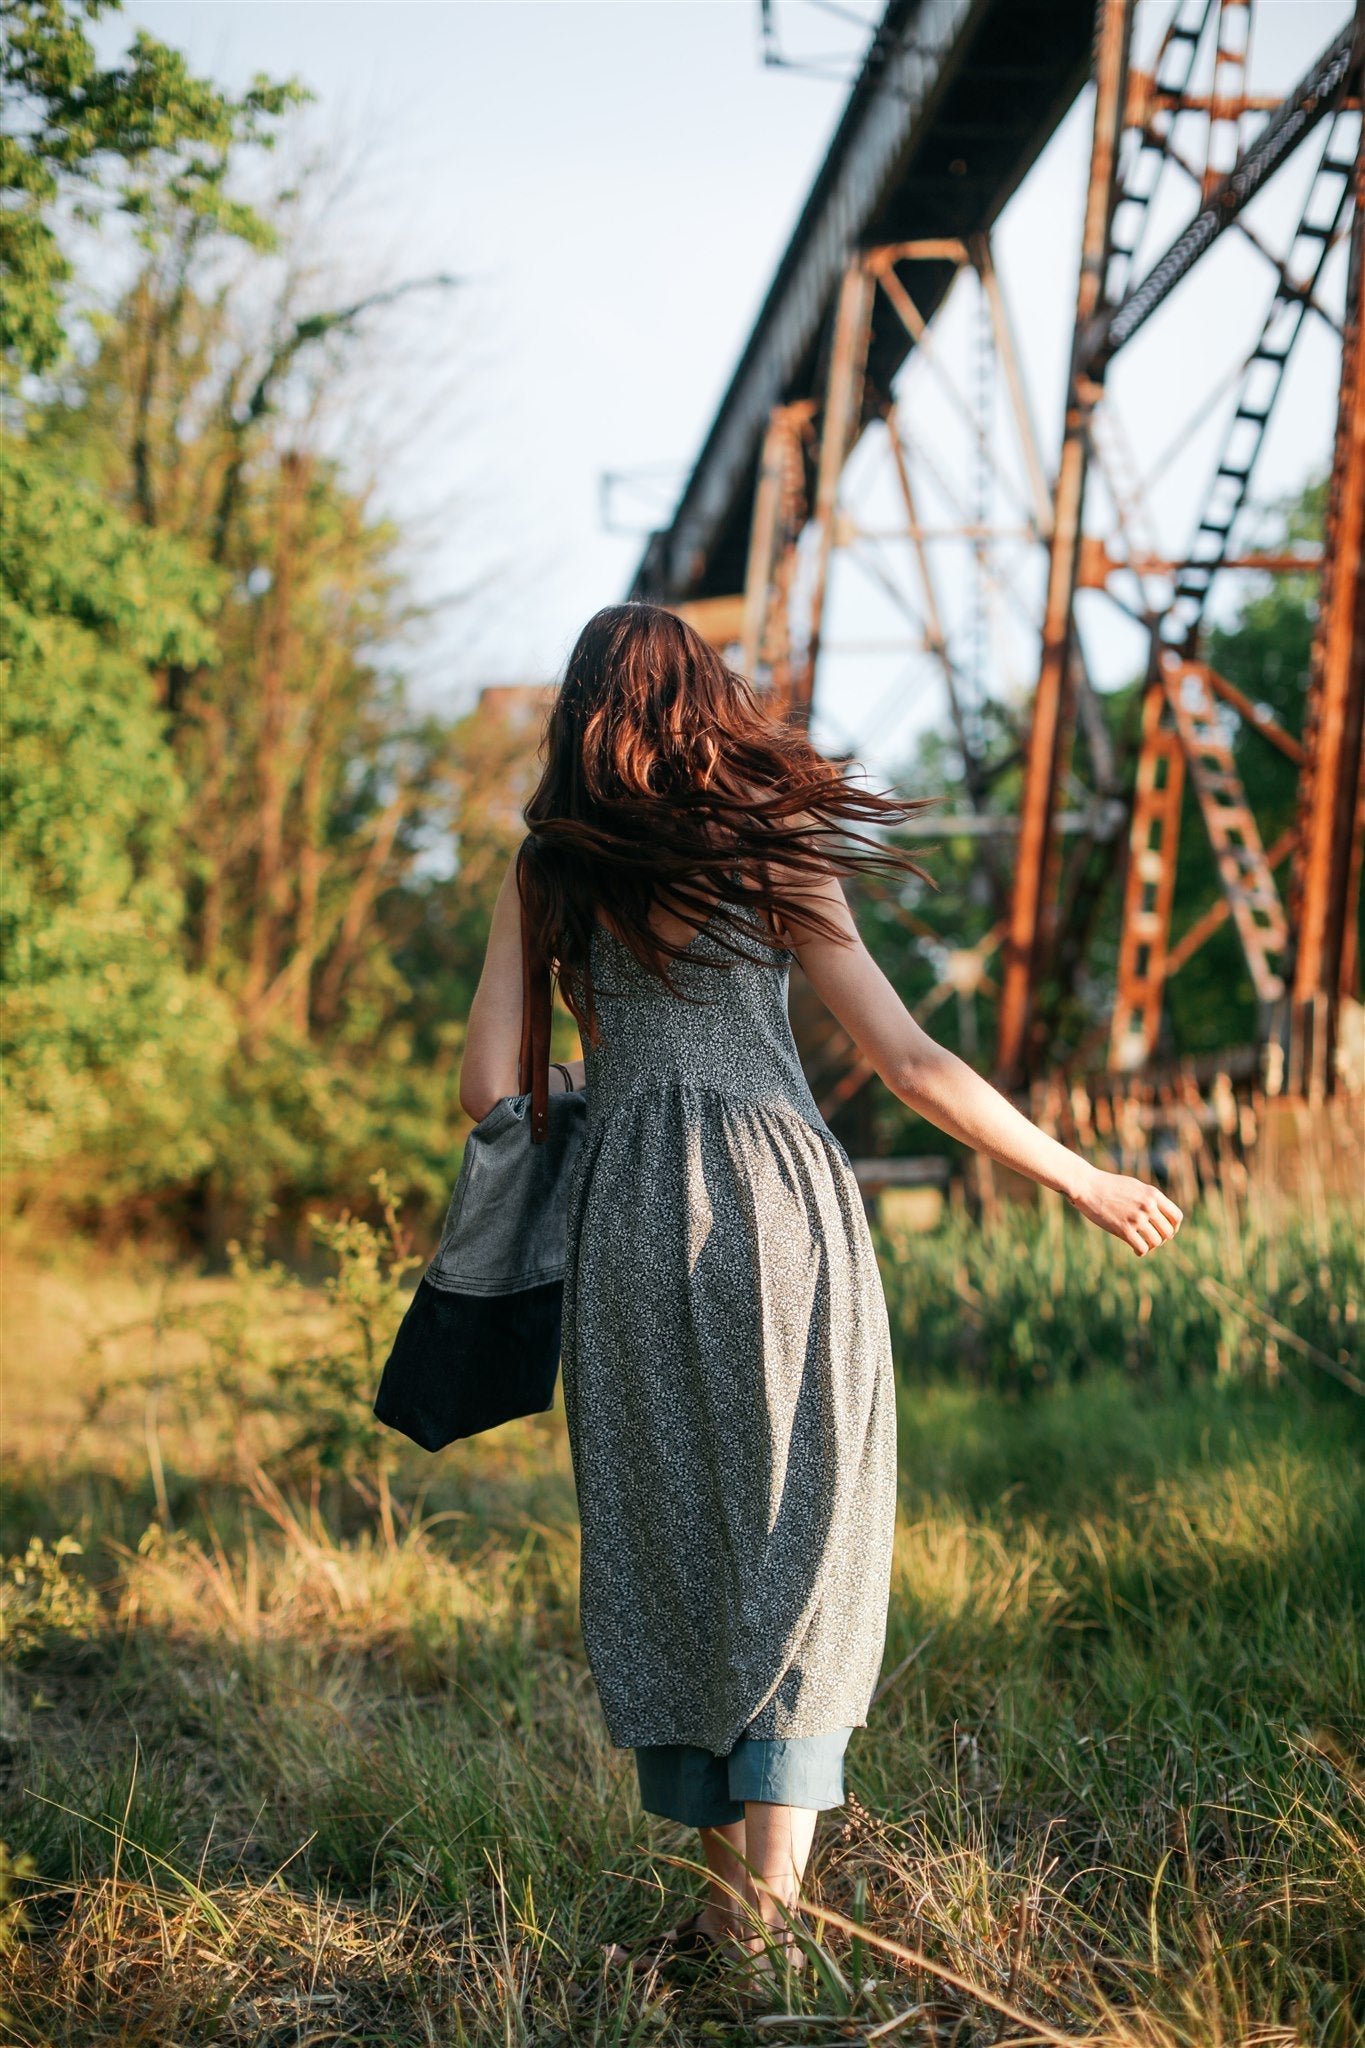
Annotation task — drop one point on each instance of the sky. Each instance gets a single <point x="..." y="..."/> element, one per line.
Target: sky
<point x="612" y="183"/>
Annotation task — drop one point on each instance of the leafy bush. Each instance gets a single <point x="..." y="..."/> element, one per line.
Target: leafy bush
<point x="41" y="1603"/>
<point x="281" y="1381"/>
<point x="108" y="1042"/>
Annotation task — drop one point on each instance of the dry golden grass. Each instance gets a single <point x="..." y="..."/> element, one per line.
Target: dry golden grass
<point x="314" y="1758"/>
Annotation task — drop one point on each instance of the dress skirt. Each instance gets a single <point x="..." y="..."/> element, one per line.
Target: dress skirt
<point x="728" y="1386"/>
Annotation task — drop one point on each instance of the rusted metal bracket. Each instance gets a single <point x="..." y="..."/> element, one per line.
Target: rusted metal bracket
<point x="779" y="516"/>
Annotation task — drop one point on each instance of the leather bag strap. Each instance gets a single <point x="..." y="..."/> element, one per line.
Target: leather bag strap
<point x="535" y="1036"/>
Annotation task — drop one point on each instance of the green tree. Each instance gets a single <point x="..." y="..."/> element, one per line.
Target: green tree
<point x="311" y="788"/>
<point x="123" y="136"/>
<point x="109" y="1045"/>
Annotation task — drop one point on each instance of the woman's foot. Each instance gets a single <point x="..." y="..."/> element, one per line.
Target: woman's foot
<point x="721" y="1927"/>
<point x="771" y="1957"/>
<point x="706" y="1936"/>
<point x="762" y="1958"/>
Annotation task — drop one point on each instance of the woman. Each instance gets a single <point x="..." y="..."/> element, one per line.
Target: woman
<point x="727" y="1376"/>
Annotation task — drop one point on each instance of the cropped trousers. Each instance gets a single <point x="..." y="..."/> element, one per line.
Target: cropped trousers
<point x="681" y="1782"/>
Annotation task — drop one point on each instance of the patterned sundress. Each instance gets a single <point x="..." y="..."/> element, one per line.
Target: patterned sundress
<point x="727" y="1373"/>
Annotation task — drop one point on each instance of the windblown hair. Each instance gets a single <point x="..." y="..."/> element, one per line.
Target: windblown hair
<point x="667" y="783"/>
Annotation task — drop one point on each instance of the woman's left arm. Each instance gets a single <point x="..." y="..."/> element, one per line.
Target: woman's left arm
<point x="943" y="1088"/>
<point x="492" y="1047"/>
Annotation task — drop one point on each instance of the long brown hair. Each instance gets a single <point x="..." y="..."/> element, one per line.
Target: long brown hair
<point x="663" y="776"/>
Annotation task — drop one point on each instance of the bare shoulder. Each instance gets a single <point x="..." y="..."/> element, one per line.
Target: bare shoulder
<point x="811" y="906"/>
<point x="807" y="895"/>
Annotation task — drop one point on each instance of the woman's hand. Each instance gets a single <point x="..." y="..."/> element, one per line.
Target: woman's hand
<point x="1141" y="1215"/>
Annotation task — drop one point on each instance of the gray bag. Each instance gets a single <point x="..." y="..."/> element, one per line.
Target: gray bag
<point x="504" y="1229"/>
<point x="479" y="1341"/>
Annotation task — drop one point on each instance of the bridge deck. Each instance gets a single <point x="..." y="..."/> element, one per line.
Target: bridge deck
<point x="954" y="102"/>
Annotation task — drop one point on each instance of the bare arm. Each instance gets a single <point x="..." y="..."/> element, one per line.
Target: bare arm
<point x="492" y="1047"/>
<point x="943" y="1088"/>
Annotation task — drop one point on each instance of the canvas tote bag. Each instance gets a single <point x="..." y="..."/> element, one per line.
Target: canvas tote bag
<point x="479" y="1341"/>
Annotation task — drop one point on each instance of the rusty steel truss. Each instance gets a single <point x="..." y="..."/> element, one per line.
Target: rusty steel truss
<point x="952" y="107"/>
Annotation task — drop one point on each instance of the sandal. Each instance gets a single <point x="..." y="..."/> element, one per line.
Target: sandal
<point x="688" y="1943"/>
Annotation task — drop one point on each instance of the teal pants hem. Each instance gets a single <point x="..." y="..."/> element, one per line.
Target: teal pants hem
<point x="681" y="1782"/>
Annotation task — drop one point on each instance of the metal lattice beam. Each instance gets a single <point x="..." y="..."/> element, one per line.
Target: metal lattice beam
<point x="1326" y="880"/>
<point x="1298" y="114"/>
<point x="1100" y="332"/>
<point x="1050" y="732"/>
<point x="955" y="101"/>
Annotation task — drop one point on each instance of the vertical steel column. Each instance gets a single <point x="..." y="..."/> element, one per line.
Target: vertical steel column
<point x="1327" y="859"/>
<point x="765" y="537"/>
<point x="779" y="515"/>
<point x="840" y="421"/>
<point x="1230" y="57"/>
<point x="1035" y="881"/>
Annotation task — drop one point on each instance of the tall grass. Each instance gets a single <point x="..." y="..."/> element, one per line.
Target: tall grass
<point x="300" y="1745"/>
<point x="1265" y="1281"/>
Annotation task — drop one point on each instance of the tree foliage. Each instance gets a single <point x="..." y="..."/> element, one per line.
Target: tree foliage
<point x="133" y="136"/>
<point x="106" y="1037"/>
<point x="216" y="795"/>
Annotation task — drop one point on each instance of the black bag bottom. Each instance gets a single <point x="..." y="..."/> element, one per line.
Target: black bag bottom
<point x="462" y="1363"/>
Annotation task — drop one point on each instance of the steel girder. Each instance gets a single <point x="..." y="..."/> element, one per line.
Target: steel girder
<point x="911" y="182"/>
<point x="1326" y="882"/>
<point x="954" y="102"/>
<point x="1144" y="959"/>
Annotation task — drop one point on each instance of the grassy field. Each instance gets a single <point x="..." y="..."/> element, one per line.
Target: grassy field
<point x="301" y="1746"/>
